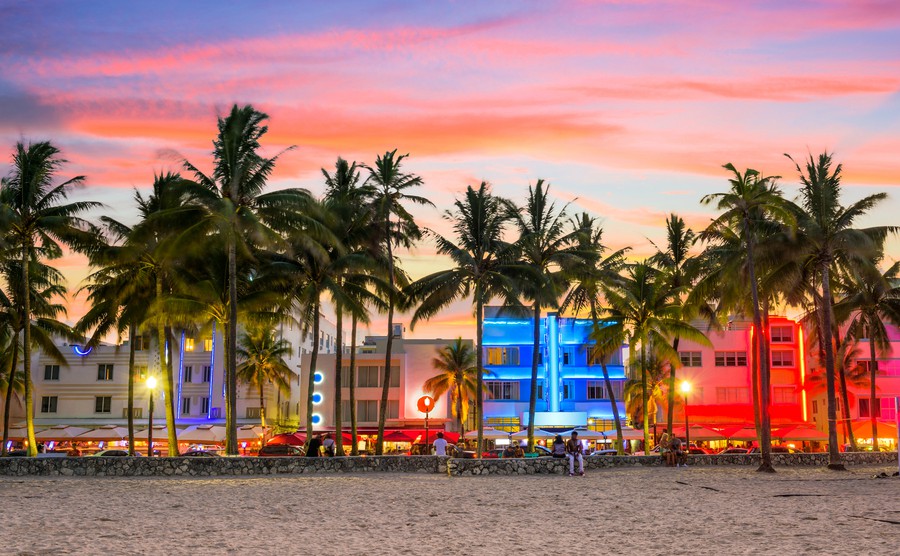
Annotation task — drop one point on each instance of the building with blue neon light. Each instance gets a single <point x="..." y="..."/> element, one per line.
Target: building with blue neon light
<point x="571" y="390"/>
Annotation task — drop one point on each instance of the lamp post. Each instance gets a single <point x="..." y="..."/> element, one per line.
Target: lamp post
<point x="686" y="389"/>
<point x="425" y="405"/>
<point x="151" y="385"/>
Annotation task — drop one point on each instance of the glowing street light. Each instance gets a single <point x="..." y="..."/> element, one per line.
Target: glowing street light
<point x="151" y="385"/>
<point x="686" y="389"/>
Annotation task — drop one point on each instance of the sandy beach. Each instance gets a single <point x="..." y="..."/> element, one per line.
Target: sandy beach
<point x="649" y="511"/>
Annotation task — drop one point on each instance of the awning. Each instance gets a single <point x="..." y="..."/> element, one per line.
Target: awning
<point x="202" y="434"/>
<point x="862" y="428"/>
<point x="105" y="433"/>
<point x="628" y="433"/>
<point x="62" y="433"/>
<point x="800" y="433"/>
<point x="289" y="438"/>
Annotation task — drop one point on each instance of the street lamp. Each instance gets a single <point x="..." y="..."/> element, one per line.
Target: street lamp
<point x="686" y="389"/>
<point x="151" y="385"/>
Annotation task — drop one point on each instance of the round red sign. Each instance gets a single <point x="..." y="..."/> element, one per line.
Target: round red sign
<point x="426" y="404"/>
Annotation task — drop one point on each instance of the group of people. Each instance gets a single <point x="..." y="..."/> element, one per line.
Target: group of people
<point x="673" y="450"/>
<point x="321" y="445"/>
<point x="571" y="449"/>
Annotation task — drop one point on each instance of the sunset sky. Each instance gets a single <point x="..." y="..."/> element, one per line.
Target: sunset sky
<point x="629" y="109"/>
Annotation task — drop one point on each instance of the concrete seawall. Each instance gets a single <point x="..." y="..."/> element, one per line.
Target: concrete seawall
<point x="250" y="466"/>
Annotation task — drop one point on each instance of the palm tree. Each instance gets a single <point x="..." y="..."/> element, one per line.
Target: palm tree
<point x="458" y="375"/>
<point x="239" y="211"/>
<point x="827" y="235"/>
<point x="545" y="246"/>
<point x="390" y="184"/>
<point x="589" y="274"/>
<point x="751" y="200"/>
<point x="38" y="222"/>
<point x="681" y="270"/>
<point x="482" y="268"/>
<point x="872" y="298"/>
<point x="641" y="410"/>
<point x="262" y="360"/>
<point x="644" y="308"/>
<point x="349" y="203"/>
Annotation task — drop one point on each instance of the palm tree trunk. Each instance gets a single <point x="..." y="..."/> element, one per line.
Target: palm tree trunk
<point x="11" y="380"/>
<point x="873" y="372"/>
<point x="479" y="366"/>
<point x="459" y="406"/>
<point x="26" y="348"/>
<point x="645" y="397"/>
<point x="834" y="456"/>
<point x="311" y="379"/>
<point x="385" y="388"/>
<point x="765" y="432"/>
<point x="532" y="398"/>
<point x="131" y="350"/>
<point x="166" y="376"/>
<point x="615" y="407"/>
<point x="845" y="397"/>
<point x="670" y="413"/>
<point x="354" y="449"/>
<point x="338" y="378"/>
<point x="231" y="445"/>
<point x="262" y="404"/>
<point x="754" y="382"/>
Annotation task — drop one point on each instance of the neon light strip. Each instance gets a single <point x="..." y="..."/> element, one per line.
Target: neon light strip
<point x="180" y="373"/>
<point x="802" y="373"/>
<point x="212" y="367"/>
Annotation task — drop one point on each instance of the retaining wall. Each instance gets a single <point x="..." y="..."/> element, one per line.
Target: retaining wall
<point x="206" y="467"/>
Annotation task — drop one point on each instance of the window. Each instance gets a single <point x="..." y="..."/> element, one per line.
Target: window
<point x="141" y="343"/>
<point x="888" y="411"/>
<point x="104" y="372"/>
<point x="367" y="411"/>
<point x="207" y="344"/>
<point x="141" y="371"/>
<point x="185" y="406"/>
<point x="783" y="358"/>
<point x="188" y="344"/>
<point x="864" y="407"/>
<point x="596" y="389"/>
<point x="782" y="334"/>
<point x="103" y="404"/>
<point x="51" y="372"/>
<point x="691" y="358"/>
<point x="568" y="389"/>
<point x="188" y="374"/>
<point x="815" y="406"/>
<point x="204" y="406"/>
<point x="502" y="389"/>
<point x="502" y="356"/>
<point x="393" y="409"/>
<point x="540" y="389"/>
<point x="784" y="395"/>
<point x="731" y="359"/>
<point x="48" y="404"/>
<point x="207" y="373"/>
<point x="568" y="356"/>
<point x="367" y="376"/>
<point x="253" y="412"/>
<point x="345" y="376"/>
<point x="345" y="411"/>
<point x="395" y="376"/>
<point x="136" y="412"/>
<point x="594" y="356"/>
<point x="732" y="395"/>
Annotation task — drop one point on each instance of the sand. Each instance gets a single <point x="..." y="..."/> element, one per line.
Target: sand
<point x="623" y="511"/>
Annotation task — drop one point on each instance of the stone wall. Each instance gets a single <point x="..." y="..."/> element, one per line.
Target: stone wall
<point x="206" y="467"/>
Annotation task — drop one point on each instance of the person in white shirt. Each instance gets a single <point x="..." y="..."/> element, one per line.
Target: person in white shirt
<point x="440" y="445"/>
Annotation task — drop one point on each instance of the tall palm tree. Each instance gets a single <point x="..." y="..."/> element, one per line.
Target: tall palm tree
<point x="391" y="186"/>
<point x="545" y="246"/>
<point x="457" y="375"/>
<point x="827" y="234"/>
<point x="872" y="298"/>
<point x="349" y="203"/>
<point x="644" y="308"/>
<point x="752" y="199"/>
<point x="262" y="360"/>
<point x="39" y="221"/>
<point x="643" y="410"/>
<point x="244" y="216"/>
<point x="483" y="264"/>
<point x="681" y="270"/>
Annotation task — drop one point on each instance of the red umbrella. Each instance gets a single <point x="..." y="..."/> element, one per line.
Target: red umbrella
<point x="399" y="436"/>
<point x="289" y="438"/>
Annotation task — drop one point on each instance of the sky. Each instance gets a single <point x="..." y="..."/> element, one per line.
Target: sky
<point x="628" y="109"/>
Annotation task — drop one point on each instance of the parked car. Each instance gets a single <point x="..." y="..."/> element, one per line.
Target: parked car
<point x="698" y="451"/>
<point x="17" y="453"/>
<point x="734" y="451"/>
<point x="604" y="452"/>
<point x="777" y="450"/>
<point x="280" y="450"/>
<point x="200" y="454"/>
<point x="112" y="453"/>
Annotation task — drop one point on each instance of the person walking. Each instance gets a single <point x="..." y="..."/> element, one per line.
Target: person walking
<point x="575" y="451"/>
<point x="315" y="443"/>
<point x="440" y="445"/>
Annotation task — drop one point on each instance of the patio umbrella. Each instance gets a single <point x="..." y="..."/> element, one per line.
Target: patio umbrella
<point x="699" y="433"/>
<point x="538" y="433"/>
<point x="746" y="433"/>
<point x="863" y="429"/>
<point x="18" y="433"/>
<point x="585" y="434"/>
<point x="202" y="434"/>
<point x="249" y="433"/>
<point x="628" y="433"/>
<point x="289" y="438"/>
<point x="159" y="434"/>
<point x="800" y="434"/>
<point x="62" y="433"/>
<point x="105" y="433"/>
<point x="399" y="436"/>
<point x="489" y="434"/>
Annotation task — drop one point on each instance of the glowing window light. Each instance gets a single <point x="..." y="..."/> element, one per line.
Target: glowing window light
<point x="802" y="372"/>
<point x="317" y="398"/>
<point x="318" y="377"/>
<point x="80" y="351"/>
